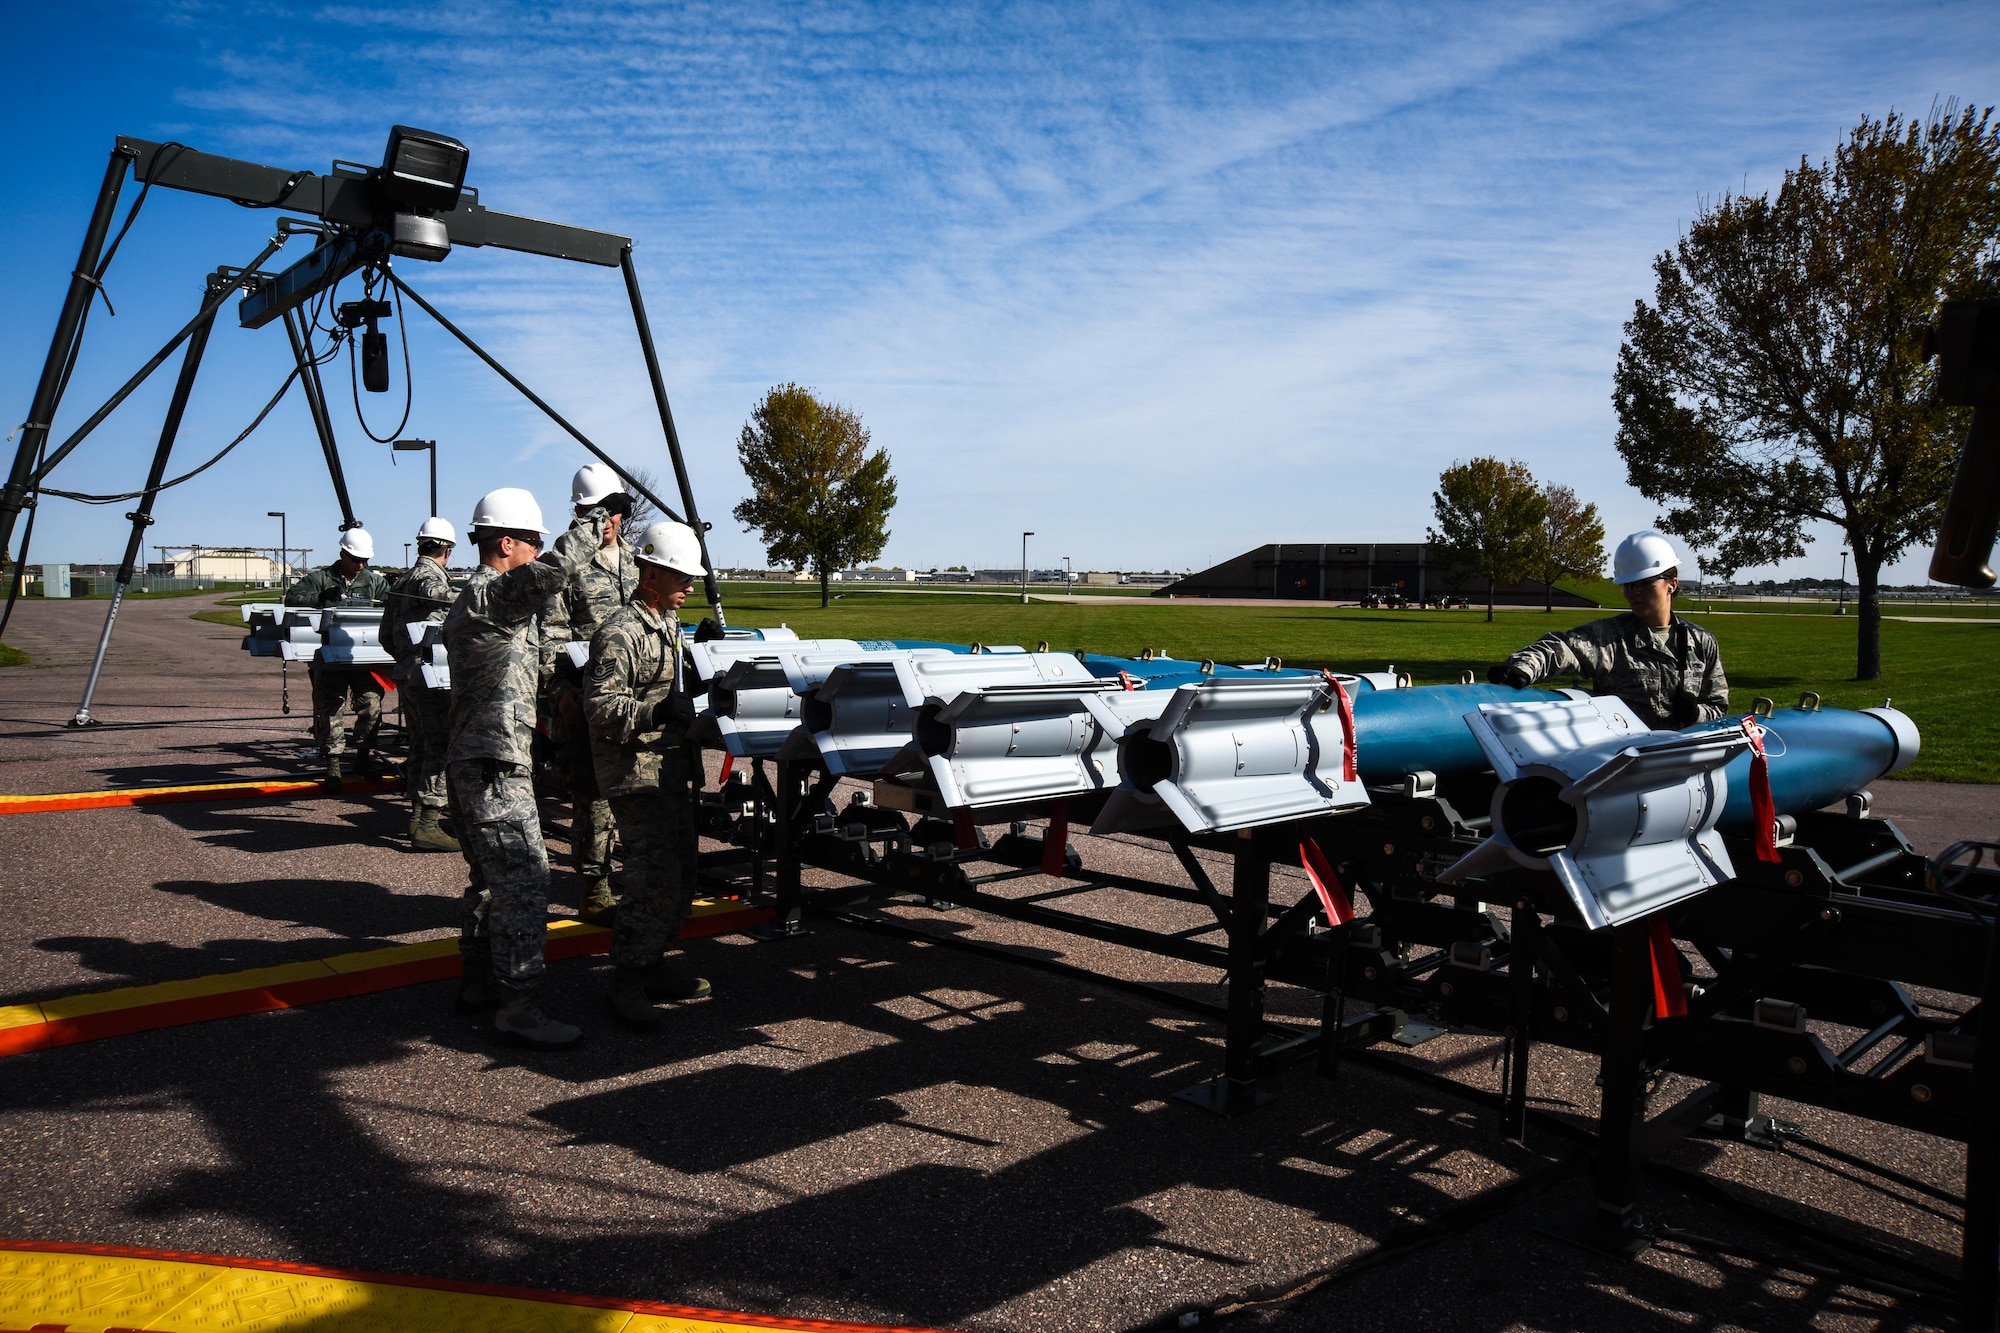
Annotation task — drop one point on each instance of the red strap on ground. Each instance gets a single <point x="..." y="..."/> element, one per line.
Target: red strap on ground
<point x="1339" y="907"/>
<point x="1349" y="759"/>
<point x="1763" y="810"/>
<point x="388" y="686"/>
<point x="1669" y="998"/>
<point x="961" y="824"/>
<point x="728" y="767"/>
<point x="1055" y="842"/>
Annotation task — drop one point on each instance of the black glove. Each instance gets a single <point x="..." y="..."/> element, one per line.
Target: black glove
<point x="1505" y="674"/>
<point x="617" y="504"/>
<point x="674" y="714"/>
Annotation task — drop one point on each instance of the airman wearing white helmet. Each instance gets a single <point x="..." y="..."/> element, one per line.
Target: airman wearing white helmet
<point x="495" y="656"/>
<point x="640" y="710"/>
<point x="419" y="597"/>
<point x="346" y="582"/>
<point x="1667" y="669"/>
<point x="597" y="591"/>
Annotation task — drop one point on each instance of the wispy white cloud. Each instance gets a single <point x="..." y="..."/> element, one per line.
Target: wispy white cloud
<point x="1160" y="282"/>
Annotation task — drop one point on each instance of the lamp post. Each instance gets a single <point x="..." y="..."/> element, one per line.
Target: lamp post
<point x="284" y="551"/>
<point x="406" y="555"/>
<point x="1841" y="610"/>
<point x="1069" y="575"/>
<point x="418" y="447"/>
<point x="1024" y="567"/>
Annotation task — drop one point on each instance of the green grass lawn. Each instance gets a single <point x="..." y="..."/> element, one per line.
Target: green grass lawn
<point x="10" y="656"/>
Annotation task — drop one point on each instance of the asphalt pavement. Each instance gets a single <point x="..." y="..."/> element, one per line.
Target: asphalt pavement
<point x="867" y="1122"/>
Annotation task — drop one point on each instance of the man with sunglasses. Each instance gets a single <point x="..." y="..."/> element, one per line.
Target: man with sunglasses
<point x="1668" y="670"/>
<point x="493" y="647"/>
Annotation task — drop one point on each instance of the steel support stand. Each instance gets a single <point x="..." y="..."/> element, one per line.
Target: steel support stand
<point x="1611" y="1225"/>
<point x="1236" y="1092"/>
<point x="1522" y="952"/>
<point x="142" y="517"/>
<point x="788" y="801"/>
<point x="62" y="347"/>
<point x="322" y="420"/>
<point x="1979" y="1298"/>
<point x="711" y="586"/>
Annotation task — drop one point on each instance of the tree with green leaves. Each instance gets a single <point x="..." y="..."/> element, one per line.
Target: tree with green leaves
<point x="1572" y="541"/>
<point x="1778" y="379"/>
<point x="1490" y="518"/>
<point x="818" y="498"/>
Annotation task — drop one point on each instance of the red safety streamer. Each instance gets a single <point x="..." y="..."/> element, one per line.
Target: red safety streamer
<point x="1055" y="841"/>
<point x="1349" y="769"/>
<point x="1669" y="997"/>
<point x="961" y="824"/>
<point x="1128" y="680"/>
<point x="1763" y="810"/>
<point x="728" y="767"/>
<point x="388" y="686"/>
<point x="1339" y="907"/>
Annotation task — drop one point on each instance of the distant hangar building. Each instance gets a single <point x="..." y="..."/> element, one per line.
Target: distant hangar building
<point x="1347" y="572"/>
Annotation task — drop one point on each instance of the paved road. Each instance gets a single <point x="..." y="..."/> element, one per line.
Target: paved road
<point x="859" y="1124"/>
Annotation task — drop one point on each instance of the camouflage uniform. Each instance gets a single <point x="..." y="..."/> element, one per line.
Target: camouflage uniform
<point x="490" y="644"/>
<point x="597" y="591"/>
<point x="1670" y="685"/>
<point x="635" y="664"/>
<point x="422" y="594"/>
<point x="333" y="686"/>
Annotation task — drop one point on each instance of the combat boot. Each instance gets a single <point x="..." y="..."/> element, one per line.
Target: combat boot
<point x="334" y="779"/>
<point x="521" y="1020"/>
<point x="476" y="991"/>
<point x="628" y="1002"/>
<point x="670" y="981"/>
<point x="427" y="835"/>
<point x="599" y="907"/>
<point x="368" y="766"/>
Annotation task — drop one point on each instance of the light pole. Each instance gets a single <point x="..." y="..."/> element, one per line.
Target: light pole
<point x="284" y="551"/>
<point x="1069" y="575"/>
<point x="406" y="555"/>
<point x="417" y="447"/>
<point x="1024" y="567"/>
<point x="1841" y="610"/>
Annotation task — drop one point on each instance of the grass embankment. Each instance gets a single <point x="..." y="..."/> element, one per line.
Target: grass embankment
<point x="1938" y="673"/>
<point x="11" y="656"/>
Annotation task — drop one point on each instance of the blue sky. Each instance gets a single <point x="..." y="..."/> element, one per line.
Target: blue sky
<point x="1158" y="282"/>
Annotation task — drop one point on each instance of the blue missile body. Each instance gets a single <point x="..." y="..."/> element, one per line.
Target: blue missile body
<point x="1818" y="757"/>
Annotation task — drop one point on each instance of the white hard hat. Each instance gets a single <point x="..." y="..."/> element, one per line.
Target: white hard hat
<point x="592" y="482"/>
<point x="357" y="543"/>
<point x="673" y="545"/>
<point x="1643" y="555"/>
<point x="509" y="509"/>
<point x="437" y="529"/>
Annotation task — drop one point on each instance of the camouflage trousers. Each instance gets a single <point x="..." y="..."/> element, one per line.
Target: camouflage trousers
<point x="334" y="687"/>
<point x="592" y="824"/>
<point x="507" y="903"/>
<point x="427" y="728"/>
<point x="658" y="833"/>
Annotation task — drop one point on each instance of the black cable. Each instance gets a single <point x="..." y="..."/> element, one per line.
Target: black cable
<point x="82" y="498"/>
<point x="409" y="388"/>
<point x="27" y="536"/>
<point x="1792" y="1134"/>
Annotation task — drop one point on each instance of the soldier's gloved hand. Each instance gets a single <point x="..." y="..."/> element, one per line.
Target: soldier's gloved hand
<point x="674" y="714"/>
<point x="617" y="504"/>
<point x="1508" y="674"/>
